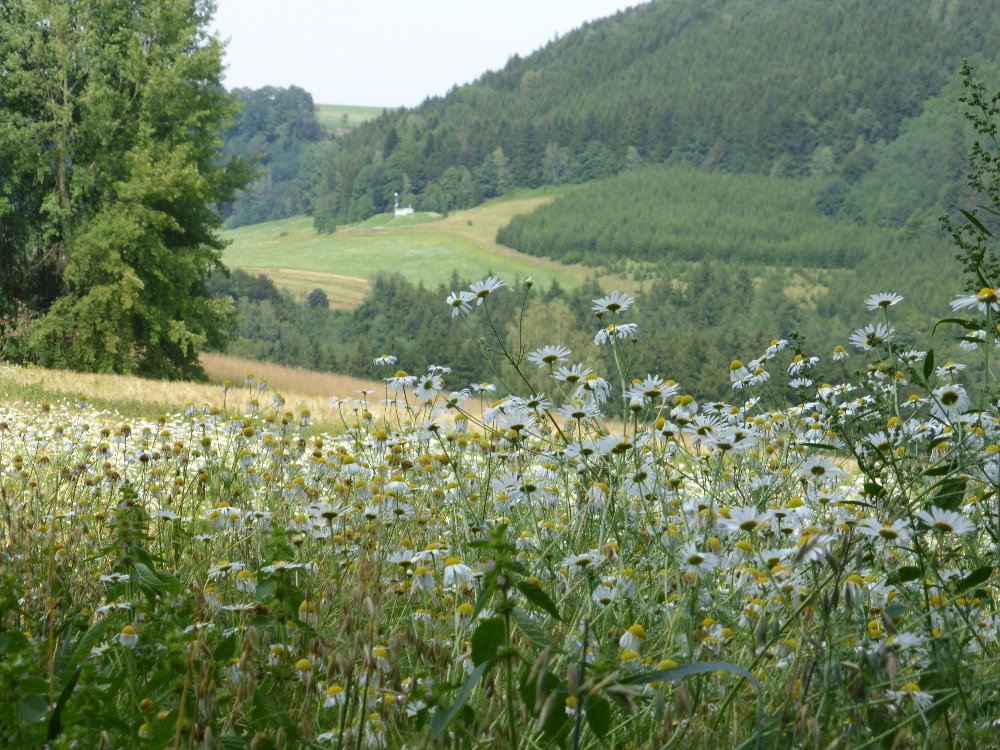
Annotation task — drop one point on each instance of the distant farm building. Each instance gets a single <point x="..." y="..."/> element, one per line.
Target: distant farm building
<point x="398" y="210"/>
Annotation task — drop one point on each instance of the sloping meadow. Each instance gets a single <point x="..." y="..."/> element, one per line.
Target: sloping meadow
<point x="758" y="572"/>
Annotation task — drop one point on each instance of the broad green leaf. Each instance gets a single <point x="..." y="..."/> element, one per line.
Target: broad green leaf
<point x="976" y="577"/>
<point x="55" y="722"/>
<point x="164" y="731"/>
<point x="874" y="488"/>
<point x="597" y="711"/>
<point x="895" y="611"/>
<point x="147" y="578"/>
<point x="169" y="580"/>
<point x="940" y="470"/>
<point x="90" y="639"/>
<point x="32" y="708"/>
<point x="486" y="591"/>
<point x="226" y="648"/>
<point x="265" y="590"/>
<point x="929" y="364"/>
<point x="487" y="639"/>
<point x="904" y="574"/>
<point x="532" y="630"/>
<point x="537" y="596"/>
<point x="442" y="719"/>
<point x="949" y="494"/>
<point x="12" y="641"/>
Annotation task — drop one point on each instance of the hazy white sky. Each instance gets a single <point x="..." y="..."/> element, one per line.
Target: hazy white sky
<point x="390" y="53"/>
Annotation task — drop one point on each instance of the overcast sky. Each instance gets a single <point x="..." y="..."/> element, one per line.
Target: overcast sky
<point x="390" y="53"/>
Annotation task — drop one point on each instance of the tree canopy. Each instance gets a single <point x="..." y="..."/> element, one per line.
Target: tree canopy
<point x="764" y="86"/>
<point x="110" y="180"/>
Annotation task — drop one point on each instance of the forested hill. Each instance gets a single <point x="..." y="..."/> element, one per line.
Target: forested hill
<point x="768" y="86"/>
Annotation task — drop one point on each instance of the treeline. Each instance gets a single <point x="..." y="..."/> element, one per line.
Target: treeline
<point x="693" y="319"/>
<point x="661" y="214"/>
<point x="789" y="88"/>
<point x="276" y="129"/>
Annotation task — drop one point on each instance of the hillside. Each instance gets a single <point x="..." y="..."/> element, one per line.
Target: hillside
<point x="427" y="248"/>
<point x="764" y="86"/>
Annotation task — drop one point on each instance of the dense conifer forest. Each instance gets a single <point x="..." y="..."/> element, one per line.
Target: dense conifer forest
<point x="777" y="87"/>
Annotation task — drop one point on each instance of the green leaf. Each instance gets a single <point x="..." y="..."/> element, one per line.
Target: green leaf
<point x="265" y="590"/>
<point x="232" y="742"/>
<point x="929" y="364"/>
<point x="55" y="722"/>
<point x="950" y="493"/>
<point x="875" y="489"/>
<point x="976" y="577"/>
<point x="699" y="667"/>
<point x="974" y="220"/>
<point x="940" y="470"/>
<point x="163" y="734"/>
<point x="12" y="642"/>
<point x="88" y="640"/>
<point x="487" y="639"/>
<point x="968" y="325"/>
<point x="532" y="630"/>
<point x="32" y="708"/>
<point x="169" y="580"/>
<point x="537" y="596"/>
<point x="226" y="648"/>
<point x="488" y="588"/>
<point x="904" y="574"/>
<point x="267" y="712"/>
<point x="148" y="579"/>
<point x="442" y="719"/>
<point x="597" y="711"/>
<point x="895" y="611"/>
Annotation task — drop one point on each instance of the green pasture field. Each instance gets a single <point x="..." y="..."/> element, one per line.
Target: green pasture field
<point x="331" y="116"/>
<point x="423" y="247"/>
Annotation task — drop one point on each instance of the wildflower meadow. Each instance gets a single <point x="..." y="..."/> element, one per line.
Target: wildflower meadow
<point x="599" y="561"/>
<point x="560" y="558"/>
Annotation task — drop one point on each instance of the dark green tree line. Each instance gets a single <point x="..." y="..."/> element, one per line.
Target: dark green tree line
<point x="110" y="115"/>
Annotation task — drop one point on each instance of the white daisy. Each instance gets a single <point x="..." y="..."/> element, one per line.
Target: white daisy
<point x="483" y="289"/>
<point x="882" y="300"/>
<point x="615" y="302"/>
<point x="946" y="521"/>
<point x="619" y="331"/>
<point x="460" y="302"/>
<point x="549" y="356"/>
<point x="984" y="300"/>
<point x="871" y="336"/>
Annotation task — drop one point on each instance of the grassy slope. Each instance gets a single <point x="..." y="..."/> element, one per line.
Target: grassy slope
<point x="331" y="116"/>
<point x="423" y="247"/>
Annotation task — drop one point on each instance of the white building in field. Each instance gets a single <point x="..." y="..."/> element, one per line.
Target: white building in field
<point x="399" y="210"/>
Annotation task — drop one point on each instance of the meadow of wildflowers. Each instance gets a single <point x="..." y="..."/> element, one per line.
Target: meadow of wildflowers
<point x="474" y="571"/>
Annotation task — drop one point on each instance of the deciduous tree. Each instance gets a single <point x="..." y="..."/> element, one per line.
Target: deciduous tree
<point x="110" y="114"/>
